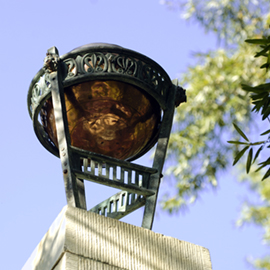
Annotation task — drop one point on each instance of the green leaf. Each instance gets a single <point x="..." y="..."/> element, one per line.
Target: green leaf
<point x="266" y="65"/>
<point x="240" y="154"/>
<point x="249" y="159"/>
<point x="266" y="162"/>
<point x="258" y="105"/>
<point x="266" y="113"/>
<point x="257" y="41"/>
<point x="249" y="88"/>
<point x="262" y="166"/>
<point x="256" y="89"/>
<point x="257" y="143"/>
<point x="266" y="132"/>
<point x="259" y="96"/>
<point x="263" y="52"/>
<point x="267" y="174"/>
<point x="240" y="132"/>
<point x="236" y="142"/>
<point x="257" y="153"/>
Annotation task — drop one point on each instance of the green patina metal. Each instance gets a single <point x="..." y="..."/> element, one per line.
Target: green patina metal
<point x="138" y="184"/>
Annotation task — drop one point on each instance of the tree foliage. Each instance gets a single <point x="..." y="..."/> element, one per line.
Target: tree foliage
<point x="198" y="148"/>
<point x="258" y="214"/>
<point x="232" y="20"/>
<point x="216" y="99"/>
<point x="261" y="100"/>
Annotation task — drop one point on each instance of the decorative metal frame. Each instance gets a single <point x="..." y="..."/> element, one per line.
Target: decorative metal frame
<point x="138" y="184"/>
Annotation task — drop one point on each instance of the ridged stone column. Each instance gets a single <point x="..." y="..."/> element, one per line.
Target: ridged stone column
<point x="84" y="240"/>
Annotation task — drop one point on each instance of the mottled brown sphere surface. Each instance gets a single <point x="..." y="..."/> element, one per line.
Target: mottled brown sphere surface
<point x="106" y="117"/>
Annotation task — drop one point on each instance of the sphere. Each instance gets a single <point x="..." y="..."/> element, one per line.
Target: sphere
<point x="111" y="118"/>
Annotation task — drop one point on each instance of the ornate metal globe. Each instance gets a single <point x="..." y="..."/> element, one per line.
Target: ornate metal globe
<point x="98" y="107"/>
<point x="114" y="99"/>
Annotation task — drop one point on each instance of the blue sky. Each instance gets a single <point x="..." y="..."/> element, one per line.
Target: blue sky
<point x="32" y="192"/>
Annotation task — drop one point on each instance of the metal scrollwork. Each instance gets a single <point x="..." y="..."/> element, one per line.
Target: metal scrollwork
<point x="152" y="77"/>
<point x="125" y="65"/>
<point x="72" y="69"/>
<point x="95" y="62"/>
<point x="39" y="90"/>
<point x="36" y="93"/>
<point x="98" y="62"/>
<point x="147" y="74"/>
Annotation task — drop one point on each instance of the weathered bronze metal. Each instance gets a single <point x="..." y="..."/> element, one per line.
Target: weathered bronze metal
<point x="98" y="106"/>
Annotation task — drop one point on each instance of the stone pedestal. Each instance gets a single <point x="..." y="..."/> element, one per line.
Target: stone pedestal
<point x="84" y="240"/>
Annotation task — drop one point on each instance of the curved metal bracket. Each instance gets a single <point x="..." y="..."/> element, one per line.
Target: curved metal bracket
<point x="159" y="159"/>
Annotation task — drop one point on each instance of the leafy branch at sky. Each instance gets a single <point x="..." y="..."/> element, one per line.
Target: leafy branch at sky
<point x="260" y="96"/>
<point x="198" y="149"/>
